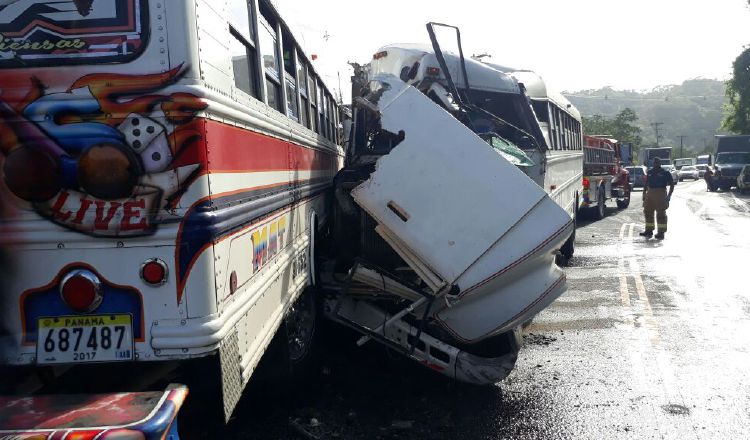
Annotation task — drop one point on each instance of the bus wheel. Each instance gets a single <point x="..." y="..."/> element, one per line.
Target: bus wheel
<point x="300" y="330"/>
<point x="569" y="247"/>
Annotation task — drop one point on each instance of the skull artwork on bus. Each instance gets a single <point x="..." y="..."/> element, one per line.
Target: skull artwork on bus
<point x="103" y="156"/>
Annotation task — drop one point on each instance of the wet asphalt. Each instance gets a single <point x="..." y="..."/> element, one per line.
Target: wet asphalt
<point x="651" y="340"/>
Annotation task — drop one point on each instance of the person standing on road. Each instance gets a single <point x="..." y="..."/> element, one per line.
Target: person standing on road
<point x="656" y="198"/>
<point x="707" y="175"/>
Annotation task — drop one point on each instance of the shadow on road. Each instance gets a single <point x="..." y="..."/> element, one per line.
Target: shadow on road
<point x="369" y="393"/>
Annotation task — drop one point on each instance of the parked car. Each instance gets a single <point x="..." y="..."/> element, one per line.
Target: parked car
<point x="701" y="170"/>
<point x="743" y="180"/>
<point x="673" y="171"/>
<point x="689" y="172"/>
<point x="727" y="168"/>
<point x="637" y="176"/>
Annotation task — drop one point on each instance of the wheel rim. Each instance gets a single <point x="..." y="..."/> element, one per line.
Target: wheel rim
<point x="300" y="327"/>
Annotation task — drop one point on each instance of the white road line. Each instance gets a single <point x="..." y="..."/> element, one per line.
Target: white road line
<point x="663" y="364"/>
<point x="624" y="289"/>
<point x="648" y="312"/>
<point x="624" y="293"/>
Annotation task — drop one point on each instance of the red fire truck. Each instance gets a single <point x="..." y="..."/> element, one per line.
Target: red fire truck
<point x="604" y="176"/>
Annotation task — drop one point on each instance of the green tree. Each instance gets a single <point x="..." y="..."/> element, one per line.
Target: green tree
<point x="625" y="128"/>
<point x="596" y="124"/>
<point x="737" y="118"/>
<point x="622" y="127"/>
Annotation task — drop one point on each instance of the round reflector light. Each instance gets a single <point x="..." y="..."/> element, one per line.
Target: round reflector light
<point x="154" y="272"/>
<point x="81" y="290"/>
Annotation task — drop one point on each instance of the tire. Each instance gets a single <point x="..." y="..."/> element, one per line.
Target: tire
<point x="600" y="210"/>
<point x="624" y="203"/>
<point x="300" y="328"/>
<point x="569" y="247"/>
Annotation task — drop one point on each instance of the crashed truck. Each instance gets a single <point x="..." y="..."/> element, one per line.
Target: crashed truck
<point x="444" y="246"/>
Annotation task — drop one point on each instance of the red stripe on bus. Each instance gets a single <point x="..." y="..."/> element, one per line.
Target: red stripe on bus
<point x="235" y="149"/>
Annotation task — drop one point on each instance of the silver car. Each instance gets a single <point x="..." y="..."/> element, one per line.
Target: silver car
<point x="673" y="171"/>
<point x="689" y="172"/>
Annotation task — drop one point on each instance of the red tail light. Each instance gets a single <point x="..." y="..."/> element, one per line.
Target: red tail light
<point x="81" y="290"/>
<point x="154" y="272"/>
<point x="586" y="183"/>
<point x="380" y="55"/>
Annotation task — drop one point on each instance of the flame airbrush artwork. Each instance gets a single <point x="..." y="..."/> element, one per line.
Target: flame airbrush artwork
<point x="102" y="156"/>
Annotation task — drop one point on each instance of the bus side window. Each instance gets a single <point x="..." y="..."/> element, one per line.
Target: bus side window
<point x="242" y="48"/>
<point x="331" y="129"/>
<point x="323" y="109"/>
<point x="271" y="63"/>
<point x="314" y="103"/>
<point x="304" y="101"/>
<point x="290" y="73"/>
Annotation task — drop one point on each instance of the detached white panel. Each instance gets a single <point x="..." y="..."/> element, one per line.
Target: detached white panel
<point x="467" y="214"/>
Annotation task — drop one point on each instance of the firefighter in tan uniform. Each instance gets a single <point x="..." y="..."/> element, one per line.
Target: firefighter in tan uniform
<point x="656" y="198"/>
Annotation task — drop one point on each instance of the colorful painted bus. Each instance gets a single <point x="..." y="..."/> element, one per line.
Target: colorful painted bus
<point x="167" y="165"/>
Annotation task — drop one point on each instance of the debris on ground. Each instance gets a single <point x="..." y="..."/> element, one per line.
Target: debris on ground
<point x="402" y="424"/>
<point x="536" y="339"/>
<point x="301" y="430"/>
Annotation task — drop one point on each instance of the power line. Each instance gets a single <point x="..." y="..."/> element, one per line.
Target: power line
<point x="682" y="137"/>
<point x="656" y="129"/>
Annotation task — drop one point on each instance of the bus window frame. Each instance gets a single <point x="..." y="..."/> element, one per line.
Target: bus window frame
<point x="265" y="23"/>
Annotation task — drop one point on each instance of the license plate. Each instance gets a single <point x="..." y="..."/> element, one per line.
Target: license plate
<point x="85" y="339"/>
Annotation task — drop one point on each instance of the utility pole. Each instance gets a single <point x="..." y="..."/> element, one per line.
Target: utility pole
<point x="656" y="126"/>
<point x="681" y="138"/>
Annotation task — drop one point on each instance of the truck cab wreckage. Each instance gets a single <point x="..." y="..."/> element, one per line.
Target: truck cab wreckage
<point x="443" y="245"/>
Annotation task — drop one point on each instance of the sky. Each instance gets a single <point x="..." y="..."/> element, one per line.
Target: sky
<point x="574" y="44"/>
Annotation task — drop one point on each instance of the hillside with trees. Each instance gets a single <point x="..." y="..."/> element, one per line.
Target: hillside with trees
<point x="693" y="109"/>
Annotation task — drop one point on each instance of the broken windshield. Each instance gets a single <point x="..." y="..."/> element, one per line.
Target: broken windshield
<point x="510" y="152"/>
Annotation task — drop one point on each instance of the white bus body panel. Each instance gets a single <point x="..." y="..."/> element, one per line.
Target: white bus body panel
<point x="467" y="215"/>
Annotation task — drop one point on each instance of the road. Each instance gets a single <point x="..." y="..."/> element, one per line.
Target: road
<point x="650" y="341"/>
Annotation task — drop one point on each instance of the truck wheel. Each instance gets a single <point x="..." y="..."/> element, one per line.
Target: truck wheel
<point x="624" y="203"/>
<point x="600" y="209"/>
